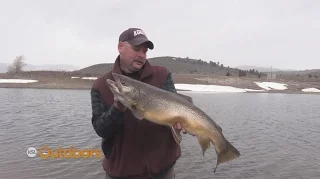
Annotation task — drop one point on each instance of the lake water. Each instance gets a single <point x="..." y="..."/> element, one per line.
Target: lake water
<point x="278" y="135"/>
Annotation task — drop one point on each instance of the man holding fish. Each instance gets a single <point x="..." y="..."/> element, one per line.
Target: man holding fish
<point x="139" y="115"/>
<point x="133" y="148"/>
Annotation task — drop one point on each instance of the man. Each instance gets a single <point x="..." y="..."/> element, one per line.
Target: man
<point x="133" y="148"/>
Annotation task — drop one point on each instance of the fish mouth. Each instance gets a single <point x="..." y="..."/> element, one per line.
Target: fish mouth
<point x="116" y="91"/>
<point x="117" y="83"/>
<point x="120" y="80"/>
<point x="113" y="86"/>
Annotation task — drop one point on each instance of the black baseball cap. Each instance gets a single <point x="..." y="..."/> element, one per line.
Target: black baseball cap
<point x="135" y="36"/>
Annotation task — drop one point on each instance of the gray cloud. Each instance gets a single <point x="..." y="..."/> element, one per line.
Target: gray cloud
<point x="279" y="33"/>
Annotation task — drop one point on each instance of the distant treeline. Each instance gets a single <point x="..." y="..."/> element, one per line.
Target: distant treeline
<point x="241" y="73"/>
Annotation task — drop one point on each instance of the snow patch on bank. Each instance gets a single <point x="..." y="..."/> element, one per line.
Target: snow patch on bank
<point x="310" y="90"/>
<point x="211" y="88"/>
<point x="18" y="81"/>
<point x="272" y="85"/>
<point x="90" y="78"/>
<point x="87" y="78"/>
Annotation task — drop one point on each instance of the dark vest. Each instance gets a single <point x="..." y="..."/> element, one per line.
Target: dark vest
<point x="142" y="148"/>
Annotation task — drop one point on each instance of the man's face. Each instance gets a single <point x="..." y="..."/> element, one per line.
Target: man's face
<point x="132" y="58"/>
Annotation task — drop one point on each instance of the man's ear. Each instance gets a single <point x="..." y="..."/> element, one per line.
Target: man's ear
<point x="120" y="47"/>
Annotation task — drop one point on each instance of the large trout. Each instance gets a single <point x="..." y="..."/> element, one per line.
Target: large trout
<point x="168" y="108"/>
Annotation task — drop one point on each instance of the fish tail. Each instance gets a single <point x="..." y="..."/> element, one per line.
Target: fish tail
<point x="227" y="154"/>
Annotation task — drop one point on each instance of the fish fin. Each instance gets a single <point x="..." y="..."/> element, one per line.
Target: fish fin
<point x="204" y="143"/>
<point x="188" y="98"/>
<point x="226" y="155"/>
<point x="176" y="134"/>
<point x="136" y="112"/>
<point x="220" y="129"/>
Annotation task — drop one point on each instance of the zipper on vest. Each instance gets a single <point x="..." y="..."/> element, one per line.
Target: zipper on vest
<point x="145" y="156"/>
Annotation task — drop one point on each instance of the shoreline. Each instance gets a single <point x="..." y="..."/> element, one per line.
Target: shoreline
<point x="67" y="81"/>
<point x="179" y="90"/>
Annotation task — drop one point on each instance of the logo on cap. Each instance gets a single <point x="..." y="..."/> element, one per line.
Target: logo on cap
<point x="137" y="32"/>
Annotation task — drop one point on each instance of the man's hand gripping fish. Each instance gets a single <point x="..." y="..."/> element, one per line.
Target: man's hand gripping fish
<point x="167" y="108"/>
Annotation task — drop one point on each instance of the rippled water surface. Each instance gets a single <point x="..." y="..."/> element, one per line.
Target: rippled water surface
<point x="278" y="135"/>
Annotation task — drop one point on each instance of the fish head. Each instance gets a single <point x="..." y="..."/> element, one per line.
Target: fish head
<point x="124" y="90"/>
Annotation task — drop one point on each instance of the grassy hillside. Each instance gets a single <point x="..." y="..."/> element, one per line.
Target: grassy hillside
<point x="263" y="69"/>
<point x="97" y="69"/>
<point x="188" y="66"/>
<point x="184" y="70"/>
<point x="177" y="65"/>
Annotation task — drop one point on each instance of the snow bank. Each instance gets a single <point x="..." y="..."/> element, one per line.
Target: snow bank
<point x="310" y="90"/>
<point x="17" y="81"/>
<point x="272" y="85"/>
<point x="210" y="88"/>
<point x="90" y="78"/>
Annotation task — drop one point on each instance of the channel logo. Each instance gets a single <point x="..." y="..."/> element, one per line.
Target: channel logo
<point x="32" y="152"/>
<point x="46" y="152"/>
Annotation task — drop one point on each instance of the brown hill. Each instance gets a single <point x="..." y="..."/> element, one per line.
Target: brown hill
<point x="177" y="65"/>
<point x="187" y="66"/>
<point x="184" y="67"/>
<point x="184" y="70"/>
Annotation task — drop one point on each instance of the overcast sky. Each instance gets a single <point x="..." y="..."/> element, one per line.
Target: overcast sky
<point x="278" y="33"/>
